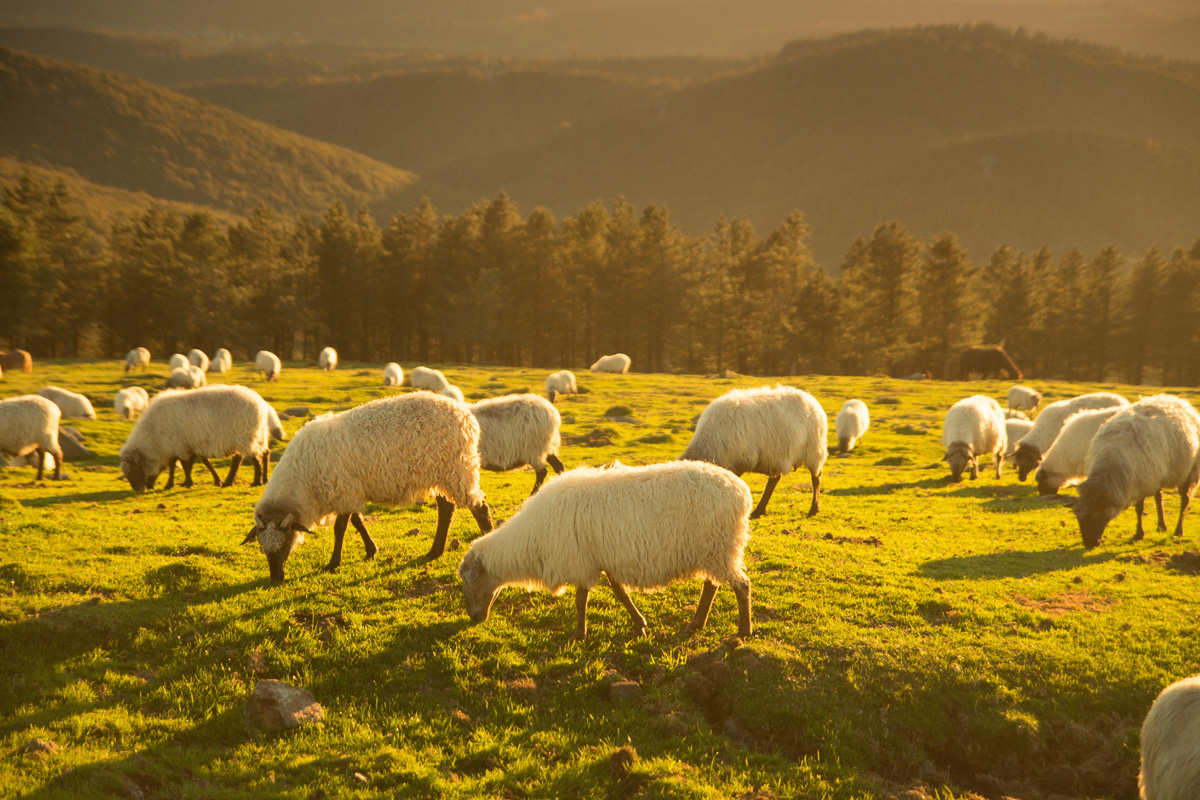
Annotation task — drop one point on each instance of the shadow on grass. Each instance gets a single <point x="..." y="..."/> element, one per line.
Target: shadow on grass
<point x="1014" y="564"/>
<point x="65" y="499"/>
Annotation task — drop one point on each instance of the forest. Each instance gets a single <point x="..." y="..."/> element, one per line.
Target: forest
<point x="493" y="285"/>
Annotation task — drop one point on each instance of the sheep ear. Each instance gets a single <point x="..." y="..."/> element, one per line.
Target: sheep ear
<point x="469" y="570"/>
<point x="298" y="527"/>
<point x="287" y="521"/>
<point x="1068" y="500"/>
<point x="252" y="535"/>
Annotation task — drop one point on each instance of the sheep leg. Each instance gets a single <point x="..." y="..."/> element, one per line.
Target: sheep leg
<point x="761" y="508"/>
<point x="1185" y="499"/>
<point x="998" y="459"/>
<point x="257" y="463"/>
<point x="703" y="606"/>
<point x="187" y="465"/>
<point x="639" y="622"/>
<point x="1158" y="505"/>
<point x="540" y="476"/>
<point x="1138" y="508"/>
<point x="581" y="598"/>
<point x="742" y="590"/>
<point x="368" y="542"/>
<point x="170" y="477"/>
<point x="339" y="532"/>
<point x="233" y="470"/>
<point x="974" y="469"/>
<point x="40" y="454"/>
<point x="211" y="470"/>
<point x="554" y="461"/>
<point x="57" y="465"/>
<point x="816" y="494"/>
<point x="266" y="461"/>
<point x="483" y="517"/>
<point x="445" y="513"/>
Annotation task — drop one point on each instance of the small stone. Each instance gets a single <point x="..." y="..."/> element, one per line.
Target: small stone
<point x="1120" y="576"/>
<point x="621" y="761"/>
<point x="277" y="706"/>
<point x="256" y="662"/>
<point x="162" y="506"/>
<point x="453" y="544"/>
<point x="748" y="659"/>
<point x="39" y="747"/>
<point x="358" y="776"/>
<point x="297" y="411"/>
<point x="624" y="690"/>
<point x="72" y="448"/>
<point x="1077" y="579"/>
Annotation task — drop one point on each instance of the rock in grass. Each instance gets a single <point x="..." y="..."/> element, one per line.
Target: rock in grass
<point x="621" y="761"/>
<point x="39" y="748"/>
<point x="72" y="448"/>
<point x="624" y="690"/>
<point x="276" y="706"/>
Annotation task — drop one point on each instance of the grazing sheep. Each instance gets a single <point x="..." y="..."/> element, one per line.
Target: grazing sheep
<point x="268" y="363"/>
<point x="71" y="404"/>
<point x="29" y="424"/>
<point x="1012" y="413"/>
<point x="222" y="361"/>
<point x="974" y="426"/>
<point x="328" y="359"/>
<point x="561" y="382"/>
<point x="1151" y="445"/>
<point x="852" y="422"/>
<point x="131" y="401"/>
<point x="1022" y="398"/>
<point x="393" y="374"/>
<point x="212" y="422"/>
<point x="198" y="358"/>
<point x="618" y="364"/>
<point x="198" y="377"/>
<point x="644" y="527"/>
<point x="1066" y="460"/>
<point x="453" y="392"/>
<point x="426" y="378"/>
<point x="1171" y="744"/>
<point x="1045" y="430"/>
<point x="16" y="360"/>
<point x="987" y="361"/>
<point x="178" y="361"/>
<point x="137" y="357"/>
<point x="764" y="430"/>
<point x="1014" y="430"/>
<point x="393" y="451"/>
<point x="181" y="378"/>
<point x="516" y="430"/>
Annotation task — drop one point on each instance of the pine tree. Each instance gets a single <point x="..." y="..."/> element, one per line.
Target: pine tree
<point x="1140" y="304"/>
<point x="949" y="310"/>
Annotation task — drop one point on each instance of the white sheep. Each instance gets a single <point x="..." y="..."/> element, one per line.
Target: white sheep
<point x="852" y="422"/>
<point x="1151" y="445"/>
<point x="393" y="374"/>
<point x="764" y="430"/>
<point x="29" y="424"/>
<point x="561" y="382"/>
<point x="178" y="361"/>
<point x="181" y="378"/>
<point x="974" y="426"/>
<point x="1045" y="430"/>
<point x="1015" y="429"/>
<point x="212" y="422"/>
<point x="427" y="378"/>
<point x="1022" y="398"/>
<point x="198" y="358"/>
<point x="392" y="451"/>
<point x="131" y="401"/>
<point x="198" y="377"/>
<point x="72" y="404"/>
<point x="138" y="357"/>
<point x="617" y="363"/>
<point x="222" y="361"/>
<point x="1066" y="460"/>
<point x="643" y="527"/>
<point x="1171" y="744"/>
<point x="516" y="430"/>
<point x="328" y="359"/>
<point x="269" y="364"/>
<point x="1012" y="413"/>
<point x="453" y="392"/>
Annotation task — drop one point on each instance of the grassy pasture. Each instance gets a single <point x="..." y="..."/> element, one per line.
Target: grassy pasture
<point x="916" y="639"/>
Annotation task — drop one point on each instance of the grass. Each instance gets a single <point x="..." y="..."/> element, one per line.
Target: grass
<point x="916" y="639"/>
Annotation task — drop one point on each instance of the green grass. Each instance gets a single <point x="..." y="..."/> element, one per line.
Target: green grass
<point x="914" y="636"/>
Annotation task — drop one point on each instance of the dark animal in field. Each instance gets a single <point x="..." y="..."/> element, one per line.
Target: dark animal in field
<point x="987" y="361"/>
<point x="16" y="359"/>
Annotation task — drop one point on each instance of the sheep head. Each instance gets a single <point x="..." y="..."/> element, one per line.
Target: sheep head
<point x="1094" y="510"/>
<point x="140" y="470"/>
<point x="1047" y="484"/>
<point x="480" y="587"/>
<point x="278" y="533"/>
<point x="1026" y="457"/>
<point x="959" y="455"/>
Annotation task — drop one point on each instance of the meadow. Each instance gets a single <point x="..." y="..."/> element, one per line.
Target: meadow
<point x="916" y="639"/>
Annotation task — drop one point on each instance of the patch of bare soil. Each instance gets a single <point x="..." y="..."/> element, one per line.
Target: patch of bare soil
<point x="1064" y="603"/>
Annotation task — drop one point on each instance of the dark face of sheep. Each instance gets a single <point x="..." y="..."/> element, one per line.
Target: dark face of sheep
<point x="1045" y="483"/>
<point x="959" y="456"/>
<point x="1027" y="457"/>
<point x="138" y="470"/>
<point x="277" y="535"/>
<point x="1094" y="513"/>
<point x="480" y="588"/>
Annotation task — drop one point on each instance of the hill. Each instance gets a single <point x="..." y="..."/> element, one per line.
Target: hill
<point x="124" y="133"/>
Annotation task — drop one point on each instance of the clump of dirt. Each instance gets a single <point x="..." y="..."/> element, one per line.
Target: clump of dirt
<point x="1187" y="562"/>
<point x="599" y="437"/>
<point x="428" y="586"/>
<point x="322" y="624"/>
<point x="1065" y="603"/>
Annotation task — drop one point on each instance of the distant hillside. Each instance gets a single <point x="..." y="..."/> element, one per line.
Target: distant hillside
<point x="124" y="133"/>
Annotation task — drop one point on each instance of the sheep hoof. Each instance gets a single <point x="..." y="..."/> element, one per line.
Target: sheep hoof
<point x="756" y="513"/>
<point x="1137" y="537"/>
<point x="578" y="636"/>
<point x="812" y="512"/>
<point x="639" y="631"/>
<point x="332" y="566"/>
<point x="371" y="553"/>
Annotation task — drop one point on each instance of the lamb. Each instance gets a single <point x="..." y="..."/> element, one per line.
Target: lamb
<point x="16" y="359"/>
<point x="1014" y="430"/>
<point x="1030" y="450"/>
<point x="644" y="527"/>
<point x="561" y="382"/>
<point x="328" y="359"/>
<point x="178" y="361"/>
<point x="268" y="363"/>
<point x="394" y="451"/>
<point x="183" y="378"/>
<point x="71" y="404"/>
<point x="137" y="357"/>
<point x="974" y="426"/>
<point x="618" y="363"/>
<point x="198" y="358"/>
<point x="851" y="424"/>
<point x="453" y="392"/>
<point x="1170" y="741"/>
<point x="427" y="378"/>
<point x="29" y="424"/>
<point x="1066" y="460"/>
<point x="211" y="422"/>
<point x="1151" y="445"/>
<point x="222" y="361"/>
<point x="986" y="361"/>
<point x="764" y="430"/>
<point x="516" y="430"/>
<point x="1022" y="398"/>
<point x="131" y="401"/>
<point x="393" y="374"/>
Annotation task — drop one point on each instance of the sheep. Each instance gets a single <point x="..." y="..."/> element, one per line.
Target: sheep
<point x="516" y="430"/>
<point x="987" y="360"/>
<point x="181" y="379"/>
<point x="71" y="404"/>
<point x="394" y="451"/>
<point x="561" y="382"/>
<point x="268" y="363"/>
<point x="852" y="422"/>
<point x="1012" y="413"/>
<point x="137" y="357"/>
<point x="211" y="422"/>
<point x="29" y="424"/>
<point x="1151" y="445"/>
<point x="974" y="426"/>
<point x="198" y="377"/>
<point x="222" y="361"/>
<point x="644" y="527"/>
<point x="198" y="358"/>
<point x="328" y="359"/>
<point x="178" y="361"/>
<point x="427" y="378"/>
<point x="393" y="374"/>
<point x="16" y="359"/>
<point x="131" y="401"/>
<point x="1170" y="740"/>
<point x="764" y="430"/>
<point x="1030" y="450"/>
<point x="618" y="363"/>
<point x="274" y="429"/>
<point x="1066" y="460"/>
<point x="1015" y="429"/>
<point x="1022" y="398"/>
<point x="453" y="392"/>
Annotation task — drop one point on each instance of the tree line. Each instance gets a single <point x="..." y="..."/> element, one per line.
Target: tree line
<point x="492" y="286"/>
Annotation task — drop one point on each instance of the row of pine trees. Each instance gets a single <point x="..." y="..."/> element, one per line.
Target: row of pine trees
<point x="491" y="286"/>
